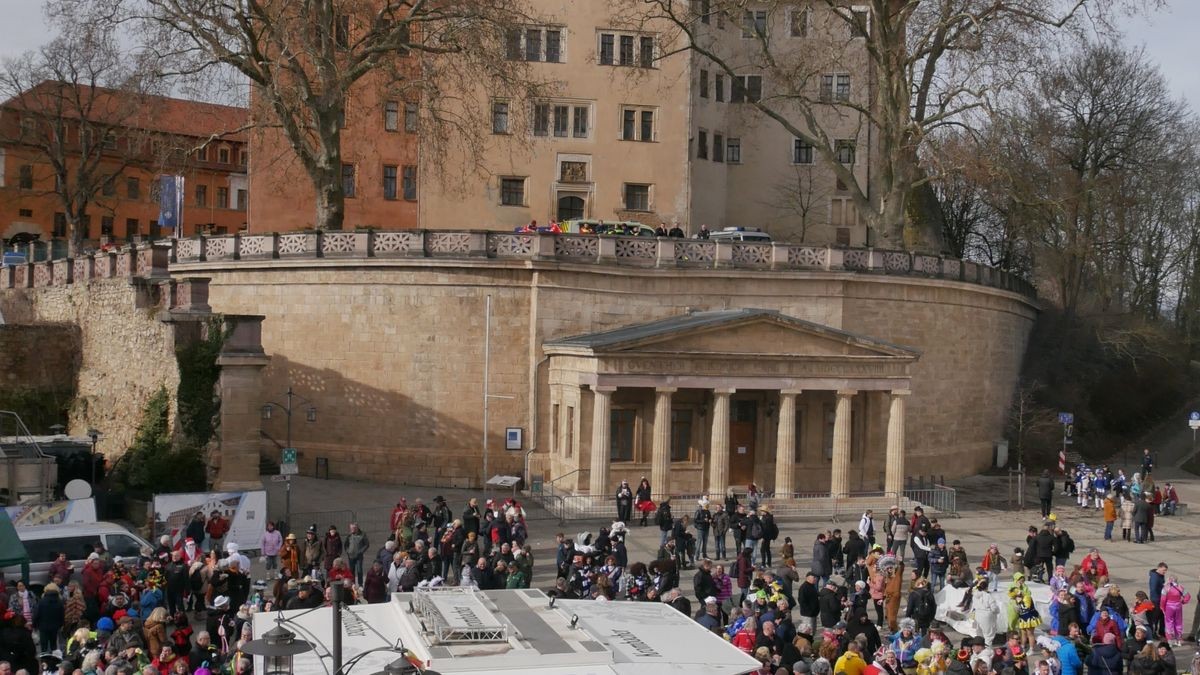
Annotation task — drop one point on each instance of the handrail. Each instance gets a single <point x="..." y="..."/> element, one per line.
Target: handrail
<point x="552" y="481"/>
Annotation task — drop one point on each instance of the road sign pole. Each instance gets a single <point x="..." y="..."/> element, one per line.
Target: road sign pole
<point x="287" y="509"/>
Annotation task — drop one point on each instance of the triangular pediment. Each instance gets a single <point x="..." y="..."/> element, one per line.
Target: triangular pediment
<point x="732" y="332"/>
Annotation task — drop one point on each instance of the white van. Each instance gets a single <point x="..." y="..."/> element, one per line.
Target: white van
<point x="43" y="543"/>
<point x="740" y="234"/>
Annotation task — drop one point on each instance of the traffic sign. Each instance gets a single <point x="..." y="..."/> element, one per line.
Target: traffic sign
<point x="289" y="456"/>
<point x="279" y="478"/>
<point x="1195" y="416"/>
<point x="292" y="469"/>
<point x="1066" y="418"/>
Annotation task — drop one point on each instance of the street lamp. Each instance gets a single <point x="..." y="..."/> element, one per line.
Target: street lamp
<point x="95" y="436"/>
<point x="402" y="666"/>
<point x="277" y="646"/>
<point x="310" y="414"/>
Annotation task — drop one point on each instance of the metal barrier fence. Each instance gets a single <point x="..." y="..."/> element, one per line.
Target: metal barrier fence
<point x="940" y="499"/>
<point x="302" y="520"/>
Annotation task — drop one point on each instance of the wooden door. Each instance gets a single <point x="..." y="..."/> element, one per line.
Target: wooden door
<point x="743" y="425"/>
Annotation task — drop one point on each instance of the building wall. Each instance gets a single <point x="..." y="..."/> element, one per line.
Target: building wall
<point x="124" y="352"/>
<point x="392" y="354"/>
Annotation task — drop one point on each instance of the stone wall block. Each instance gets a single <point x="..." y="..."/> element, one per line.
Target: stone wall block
<point x="63" y="271"/>
<point x="665" y="253"/>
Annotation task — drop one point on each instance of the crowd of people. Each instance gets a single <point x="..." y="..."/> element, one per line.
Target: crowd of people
<point x="184" y="608"/>
<point x="867" y="599"/>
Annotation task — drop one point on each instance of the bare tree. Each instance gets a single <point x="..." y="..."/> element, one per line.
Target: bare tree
<point x="927" y="63"/>
<point x="305" y="59"/>
<point x="75" y="106"/>
<point x="797" y="195"/>
<point x="1029" y="422"/>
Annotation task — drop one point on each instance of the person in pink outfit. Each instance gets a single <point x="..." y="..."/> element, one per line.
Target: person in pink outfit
<point x="1174" y="597"/>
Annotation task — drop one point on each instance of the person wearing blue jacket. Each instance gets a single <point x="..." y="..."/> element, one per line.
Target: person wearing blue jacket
<point x="1068" y="657"/>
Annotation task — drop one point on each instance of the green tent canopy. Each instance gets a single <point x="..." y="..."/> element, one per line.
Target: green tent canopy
<point x="12" y="551"/>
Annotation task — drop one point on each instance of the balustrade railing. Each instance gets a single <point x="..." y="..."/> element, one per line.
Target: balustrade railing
<point x="149" y="260"/>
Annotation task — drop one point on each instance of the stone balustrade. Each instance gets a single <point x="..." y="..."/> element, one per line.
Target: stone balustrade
<point x="154" y="260"/>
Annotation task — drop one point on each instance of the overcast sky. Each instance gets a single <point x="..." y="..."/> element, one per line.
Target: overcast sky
<point x="1169" y="37"/>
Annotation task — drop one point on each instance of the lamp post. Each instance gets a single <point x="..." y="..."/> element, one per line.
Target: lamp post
<point x="95" y="436"/>
<point x="277" y="646"/>
<point x="310" y="414"/>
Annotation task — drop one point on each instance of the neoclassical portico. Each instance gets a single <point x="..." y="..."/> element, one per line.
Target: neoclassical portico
<point x="706" y="400"/>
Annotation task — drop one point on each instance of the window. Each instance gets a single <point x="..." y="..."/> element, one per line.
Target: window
<point x="391" y="116"/>
<point x="606" y="49"/>
<point x="637" y="197"/>
<point x="499" y="117"/>
<point x="109" y="187"/>
<point x="562" y="120"/>
<point x="702" y="145"/>
<point x="844" y="149"/>
<point x="554" y="428"/>
<point x="569" y="441"/>
<point x="202" y="154"/>
<point x="25" y="177"/>
<point x="243" y="157"/>
<point x="408" y="179"/>
<point x="719" y="85"/>
<point x="122" y="545"/>
<point x="733" y="150"/>
<point x="222" y="198"/>
<point x="842" y="213"/>
<point x="703" y="83"/>
<point x="60" y="225"/>
<point x="390" y="173"/>
<point x="512" y="191"/>
<point x="223" y="155"/>
<point x="341" y="30"/>
<point x="512" y="46"/>
<point x="110" y="140"/>
<point x="25" y="213"/>
<point x="799" y="20"/>
<point x="533" y="44"/>
<point x="681" y="435"/>
<point x="843" y="236"/>
<point x="802" y="152"/>
<point x="133" y="188"/>
<point x="242" y="199"/>
<point x="106" y="226"/>
<point x="835" y="87"/>
<point x="626" y="55"/>
<point x="637" y="124"/>
<point x="201" y="195"/>
<point x="746" y="88"/>
<point x="131" y="227"/>
<point x="702" y="8"/>
<point x="646" y="51"/>
<point x="859" y="23"/>
<point x="580" y="128"/>
<point x="347" y="180"/>
<point x="410" y="117"/>
<point x="621" y="435"/>
<point x="541" y="119"/>
<point x="718" y="148"/>
<point x="754" y="23"/>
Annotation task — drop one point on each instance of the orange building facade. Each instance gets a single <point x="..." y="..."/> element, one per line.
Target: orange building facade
<point x="198" y="141"/>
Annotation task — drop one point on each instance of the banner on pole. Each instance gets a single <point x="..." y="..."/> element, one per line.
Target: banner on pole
<point x="170" y="203"/>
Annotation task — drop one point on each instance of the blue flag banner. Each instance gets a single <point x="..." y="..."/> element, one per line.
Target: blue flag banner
<point x="170" y="203"/>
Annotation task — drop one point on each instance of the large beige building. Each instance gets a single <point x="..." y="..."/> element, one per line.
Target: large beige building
<point x="640" y="129"/>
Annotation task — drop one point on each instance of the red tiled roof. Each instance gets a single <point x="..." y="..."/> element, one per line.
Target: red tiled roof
<point x="153" y="113"/>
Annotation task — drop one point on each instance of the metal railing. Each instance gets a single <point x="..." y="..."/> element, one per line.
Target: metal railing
<point x="939" y="498"/>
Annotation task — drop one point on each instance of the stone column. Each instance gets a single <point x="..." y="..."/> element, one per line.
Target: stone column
<point x="242" y="361"/>
<point x="601" y="430"/>
<point x="839" y="484"/>
<point x="893" y="482"/>
<point x="718" y="455"/>
<point x="660" y="459"/>
<point x="785" y="445"/>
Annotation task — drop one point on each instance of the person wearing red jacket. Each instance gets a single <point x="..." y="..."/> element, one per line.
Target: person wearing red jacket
<point x="1095" y="568"/>
<point x="216" y="528"/>
<point x="745" y="638"/>
<point x="93" y="578"/>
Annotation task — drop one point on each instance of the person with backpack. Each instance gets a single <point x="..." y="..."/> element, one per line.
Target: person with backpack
<point x="922" y="606"/>
<point x="664" y="520"/>
<point x="1064" y="547"/>
<point x="754" y="532"/>
<point x="702" y="520"/>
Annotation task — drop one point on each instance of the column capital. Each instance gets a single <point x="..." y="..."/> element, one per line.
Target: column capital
<point x="724" y="391"/>
<point x="846" y="393"/>
<point x="666" y="390"/>
<point x="603" y="389"/>
<point x="790" y="392"/>
<point x="900" y="392"/>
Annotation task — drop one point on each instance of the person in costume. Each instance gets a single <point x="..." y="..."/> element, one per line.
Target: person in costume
<point x="1026" y="617"/>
